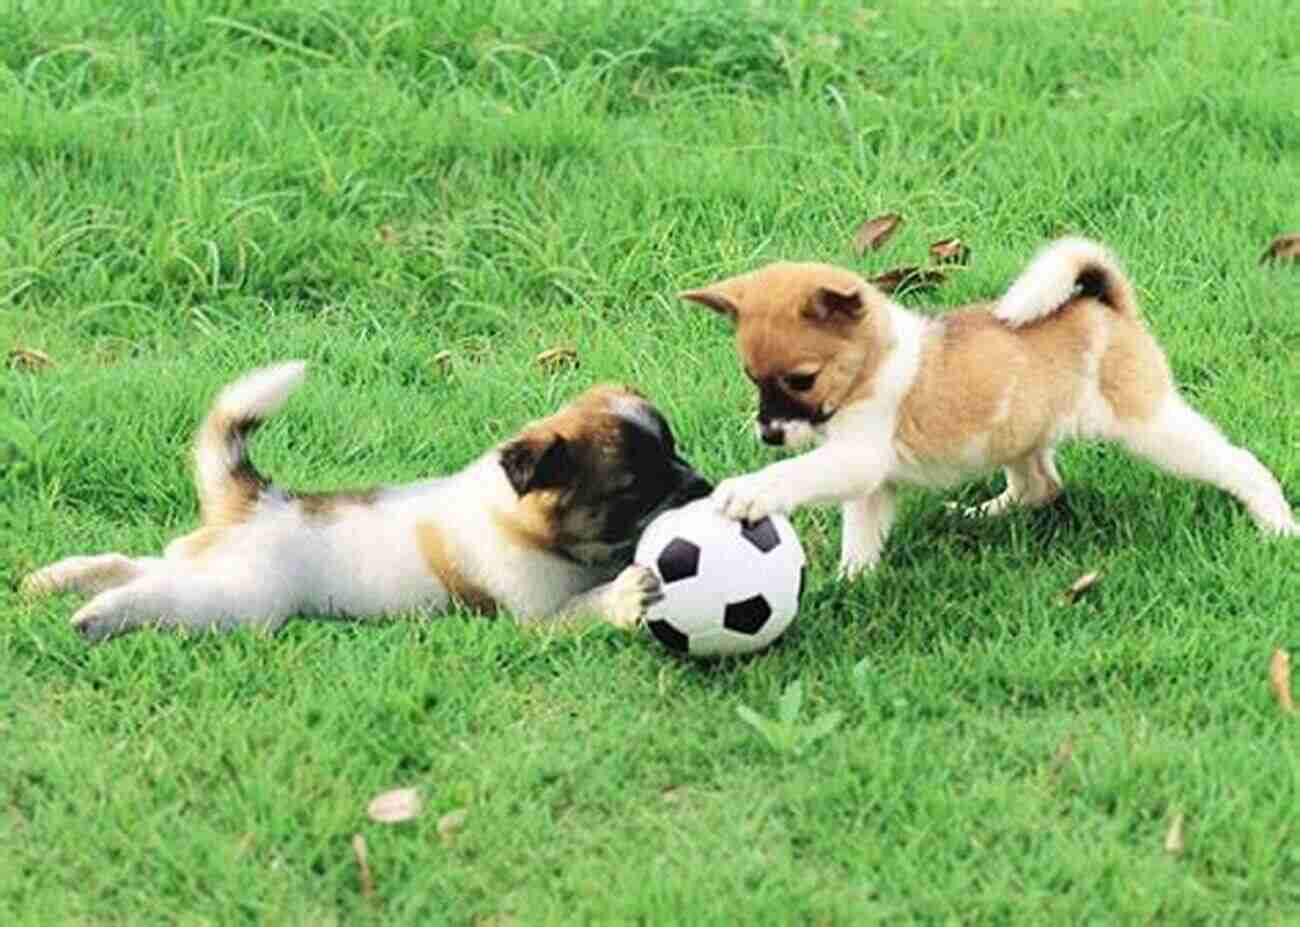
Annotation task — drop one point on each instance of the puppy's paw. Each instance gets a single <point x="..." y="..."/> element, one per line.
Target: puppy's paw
<point x="59" y="576"/>
<point x="746" y="498"/>
<point x="854" y="565"/>
<point x="993" y="508"/>
<point x="1272" y="513"/>
<point x="35" y="585"/>
<point x="91" y="575"/>
<point x="630" y="595"/>
<point x="1284" y="529"/>
<point x="101" y="618"/>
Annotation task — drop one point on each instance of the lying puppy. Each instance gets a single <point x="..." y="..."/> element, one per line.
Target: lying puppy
<point x="894" y="397"/>
<point x="538" y="527"/>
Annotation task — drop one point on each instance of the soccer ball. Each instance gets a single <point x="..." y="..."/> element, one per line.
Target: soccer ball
<point x="729" y="587"/>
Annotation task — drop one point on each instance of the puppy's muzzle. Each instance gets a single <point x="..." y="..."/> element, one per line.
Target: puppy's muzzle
<point x="776" y="410"/>
<point x="690" y="485"/>
<point x="771" y="433"/>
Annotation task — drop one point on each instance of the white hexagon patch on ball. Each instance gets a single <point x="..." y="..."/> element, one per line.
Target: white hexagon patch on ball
<point x="729" y="587"/>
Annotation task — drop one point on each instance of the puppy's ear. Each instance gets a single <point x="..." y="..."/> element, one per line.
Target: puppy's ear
<point x="713" y="298"/>
<point x="830" y="303"/>
<point x="537" y="462"/>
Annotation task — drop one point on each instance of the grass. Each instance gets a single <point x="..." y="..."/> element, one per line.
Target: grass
<point x="419" y="198"/>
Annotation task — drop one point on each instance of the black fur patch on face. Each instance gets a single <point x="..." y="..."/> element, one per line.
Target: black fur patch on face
<point x="775" y="404"/>
<point x="648" y="463"/>
<point x="653" y="477"/>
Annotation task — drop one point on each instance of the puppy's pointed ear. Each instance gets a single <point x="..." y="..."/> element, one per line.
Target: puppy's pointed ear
<point x="714" y="298"/>
<point x="537" y="462"/>
<point x="829" y="303"/>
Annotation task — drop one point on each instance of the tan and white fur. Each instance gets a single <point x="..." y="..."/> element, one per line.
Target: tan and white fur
<point x="539" y="527"/>
<point x="894" y="398"/>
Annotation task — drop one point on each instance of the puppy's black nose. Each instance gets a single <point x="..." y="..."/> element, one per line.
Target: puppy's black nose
<point x="771" y="434"/>
<point x="695" y="487"/>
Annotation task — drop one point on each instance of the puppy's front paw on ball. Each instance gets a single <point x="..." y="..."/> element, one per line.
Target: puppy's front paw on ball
<point x="745" y="498"/>
<point x="631" y="595"/>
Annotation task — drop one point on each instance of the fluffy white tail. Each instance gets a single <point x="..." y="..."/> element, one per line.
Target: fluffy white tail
<point x="1066" y="268"/>
<point x="228" y="483"/>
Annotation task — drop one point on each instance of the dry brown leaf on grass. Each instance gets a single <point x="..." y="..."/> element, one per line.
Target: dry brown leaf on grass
<point x="1279" y="673"/>
<point x="1174" y="837"/>
<point x="29" y="359"/>
<point x="504" y="919"/>
<point x="387" y="234"/>
<point x="554" y="359"/>
<point x="450" y="824"/>
<point x="395" y="806"/>
<point x="949" y="251"/>
<point x="907" y="278"/>
<point x="1062" y="755"/>
<point x="872" y="234"/>
<point x="1283" y="248"/>
<point x="363" y="866"/>
<point x="1082" y="585"/>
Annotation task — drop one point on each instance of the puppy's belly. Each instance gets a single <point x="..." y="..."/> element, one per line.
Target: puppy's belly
<point x="364" y="592"/>
<point x="369" y="564"/>
<point x="967" y="462"/>
<point x="936" y="475"/>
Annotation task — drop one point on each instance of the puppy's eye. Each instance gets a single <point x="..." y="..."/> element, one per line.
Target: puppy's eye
<point x="800" y="382"/>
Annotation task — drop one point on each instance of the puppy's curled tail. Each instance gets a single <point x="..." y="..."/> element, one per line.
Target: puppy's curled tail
<point x="1066" y="268"/>
<point x="228" y="483"/>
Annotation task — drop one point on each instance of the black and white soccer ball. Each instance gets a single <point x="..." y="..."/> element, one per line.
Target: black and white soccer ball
<point x="729" y="587"/>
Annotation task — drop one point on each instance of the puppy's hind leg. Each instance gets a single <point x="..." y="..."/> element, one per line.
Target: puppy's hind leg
<point x="1182" y="441"/>
<point x="1032" y="481"/>
<point x="188" y="600"/>
<point x="90" y="575"/>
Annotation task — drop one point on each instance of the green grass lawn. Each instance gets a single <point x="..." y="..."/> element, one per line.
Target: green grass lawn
<point x="421" y="197"/>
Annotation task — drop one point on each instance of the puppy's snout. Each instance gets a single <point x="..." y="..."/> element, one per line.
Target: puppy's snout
<point x="691" y="485"/>
<point x="771" y="434"/>
<point x="697" y="487"/>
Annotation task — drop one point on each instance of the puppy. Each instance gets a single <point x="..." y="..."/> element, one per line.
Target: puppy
<point x="537" y="527"/>
<point x="897" y="398"/>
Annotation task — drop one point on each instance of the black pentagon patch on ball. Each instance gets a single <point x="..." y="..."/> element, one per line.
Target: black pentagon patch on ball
<point x="762" y="533"/>
<point x="747" y="616"/>
<point x="669" y="636"/>
<point x="679" y="560"/>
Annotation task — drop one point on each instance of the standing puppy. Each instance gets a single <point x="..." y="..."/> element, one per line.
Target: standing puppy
<point x="894" y="397"/>
<point x="539" y="527"/>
